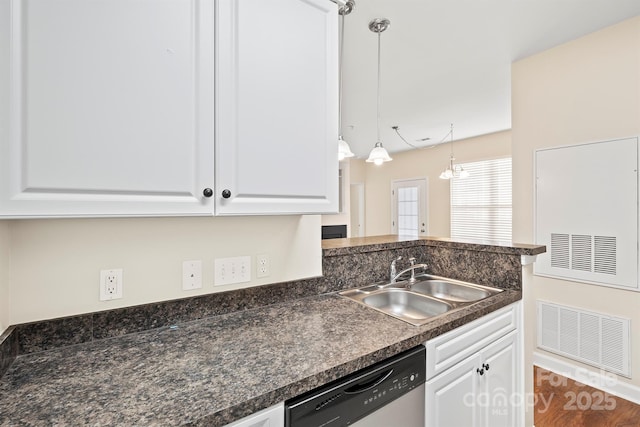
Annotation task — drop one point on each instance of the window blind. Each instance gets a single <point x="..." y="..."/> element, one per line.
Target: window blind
<point x="481" y="204"/>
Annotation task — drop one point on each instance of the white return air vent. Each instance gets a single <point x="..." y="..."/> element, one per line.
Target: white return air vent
<point x="587" y="213"/>
<point x="595" y="254"/>
<point x="592" y="338"/>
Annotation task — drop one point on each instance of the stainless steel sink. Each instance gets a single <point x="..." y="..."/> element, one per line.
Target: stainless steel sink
<point x="450" y="291"/>
<point x="406" y="304"/>
<point x="421" y="300"/>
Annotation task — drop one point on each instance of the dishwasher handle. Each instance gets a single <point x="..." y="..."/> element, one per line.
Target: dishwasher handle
<point x="368" y="385"/>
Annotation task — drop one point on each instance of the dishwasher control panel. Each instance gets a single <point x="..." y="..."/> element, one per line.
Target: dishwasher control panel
<point x="389" y="391"/>
<point x="357" y="395"/>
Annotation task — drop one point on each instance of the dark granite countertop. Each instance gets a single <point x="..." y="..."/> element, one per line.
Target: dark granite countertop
<point x="212" y="371"/>
<point x="333" y="247"/>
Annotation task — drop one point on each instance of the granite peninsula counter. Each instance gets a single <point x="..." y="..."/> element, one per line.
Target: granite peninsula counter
<point x="218" y="368"/>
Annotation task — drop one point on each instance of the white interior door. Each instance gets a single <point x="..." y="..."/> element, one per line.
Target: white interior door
<point x="356" y="210"/>
<point x="409" y="207"/>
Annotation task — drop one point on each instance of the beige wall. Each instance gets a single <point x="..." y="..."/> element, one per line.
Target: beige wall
<point x="55" y="264"/>
<point x="358" y="171"/>
<point x="584" y="91"/>
<point x="425" y="163"/>
<point x="4" y="275"/>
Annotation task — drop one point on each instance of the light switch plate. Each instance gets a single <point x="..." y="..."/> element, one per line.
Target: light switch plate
<point x="232" y="270"/>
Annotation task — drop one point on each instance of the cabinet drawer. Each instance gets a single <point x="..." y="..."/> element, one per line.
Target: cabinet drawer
<point x="450" y="348"/>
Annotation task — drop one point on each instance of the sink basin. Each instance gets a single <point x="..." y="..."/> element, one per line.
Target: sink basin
<point x="450" y="291"/>
<point x="419" y="301"/>
<point x="405" y="304"/>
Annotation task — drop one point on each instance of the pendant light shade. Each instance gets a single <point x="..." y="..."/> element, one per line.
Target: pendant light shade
<point x="378" y="154"/>
<point x="344" y="150"/>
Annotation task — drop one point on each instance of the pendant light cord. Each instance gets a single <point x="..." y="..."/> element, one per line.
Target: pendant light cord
<point x="340" y="64"/>
<point x="451" y="133"/>
<point x="378" y="119"/>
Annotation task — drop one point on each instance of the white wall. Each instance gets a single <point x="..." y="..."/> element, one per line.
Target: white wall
<point x="55" y="264"/>
<point x="4" y="275"/>
<point x="425" y="163"/>
<point x="583" y="91"/>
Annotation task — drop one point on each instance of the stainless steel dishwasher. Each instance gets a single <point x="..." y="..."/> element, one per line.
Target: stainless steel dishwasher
<point x="388" y="393"/>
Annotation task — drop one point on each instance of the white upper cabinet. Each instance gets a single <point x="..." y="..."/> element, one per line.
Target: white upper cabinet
<point x="107" y="107"/>
<point x="276" y="106"/>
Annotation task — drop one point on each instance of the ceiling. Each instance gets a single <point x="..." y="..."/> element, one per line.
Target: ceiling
<point x="449" y="62"/>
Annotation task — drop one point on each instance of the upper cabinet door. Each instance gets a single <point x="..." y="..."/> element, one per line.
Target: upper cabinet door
<point x="106" y="107"/>
<point x="276" y="106"/>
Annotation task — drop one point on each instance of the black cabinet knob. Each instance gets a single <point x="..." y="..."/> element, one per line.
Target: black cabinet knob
<point x="485" y="366"/>
<point x="226" y="194"/>
<point x="207" y="192"/>
<point x="480" y="371"/>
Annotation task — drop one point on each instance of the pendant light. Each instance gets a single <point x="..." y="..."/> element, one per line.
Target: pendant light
<point x="378" y="154"/>
<point x="344" y="150"/>
<point x="453" y="171"/>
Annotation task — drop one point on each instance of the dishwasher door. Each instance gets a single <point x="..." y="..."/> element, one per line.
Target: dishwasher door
<point x="389" y="393"/>
<point x="406" y="411"/>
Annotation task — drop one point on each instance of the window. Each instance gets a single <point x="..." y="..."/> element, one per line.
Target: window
<point x="481" y="204"/>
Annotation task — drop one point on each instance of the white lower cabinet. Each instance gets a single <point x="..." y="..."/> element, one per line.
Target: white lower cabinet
<point x="474" y="374"/>
<point x="270" y="417"/>
<point x="499" y="384"/>
<point x="446" y="395"/>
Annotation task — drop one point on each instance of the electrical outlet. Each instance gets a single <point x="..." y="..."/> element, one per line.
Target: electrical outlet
<point x="191" y="275"/>
<point x="262" y="265"/>
<point x="232" y="270"/>
<point x="110" y="284"/>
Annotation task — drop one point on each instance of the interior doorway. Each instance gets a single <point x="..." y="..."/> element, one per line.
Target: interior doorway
<point x="409" y="207"/>
<point x="356" y="210"/>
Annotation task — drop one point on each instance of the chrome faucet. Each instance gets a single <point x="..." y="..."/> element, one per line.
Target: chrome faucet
<point x="392" y="270"/>
<point x="412" y="269"/>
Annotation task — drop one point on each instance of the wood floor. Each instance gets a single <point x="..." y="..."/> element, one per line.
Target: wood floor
<point x="563" y="402"/>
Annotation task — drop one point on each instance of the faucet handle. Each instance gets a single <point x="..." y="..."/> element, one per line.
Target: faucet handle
<point x="412" y="261"/>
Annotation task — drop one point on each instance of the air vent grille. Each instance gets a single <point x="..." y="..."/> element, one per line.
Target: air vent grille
<point x="590" y="337"/>
<point x="592" y="254"/>
<point x="605" y="255"/>
<point x="612" y="339"/>
<point x="581" y="252"/>
<point x="593" y="338"/>
<point x="560" y="250"/>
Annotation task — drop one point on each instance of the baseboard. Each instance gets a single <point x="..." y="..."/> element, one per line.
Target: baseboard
<point x="601" y="380"/>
